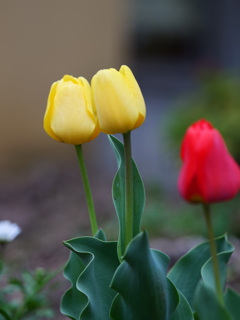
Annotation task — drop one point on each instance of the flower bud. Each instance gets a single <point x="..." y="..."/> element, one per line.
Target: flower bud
<point x="209" y="173"/>
<point x="118" y="100"/>
<point x="70" y="116"/>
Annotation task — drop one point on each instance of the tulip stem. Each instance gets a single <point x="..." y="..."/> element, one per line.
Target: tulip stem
<point x="87" y="189"/>
<point x="213" y="250"/>
<point x="128" y="189"/>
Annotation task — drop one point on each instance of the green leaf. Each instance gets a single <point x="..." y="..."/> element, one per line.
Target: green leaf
<point x="232" y="301"/>
<point x="118" y="193"/>
<point x="183" y="311"/>
<point x="73" y="301"/>
<point x="207" y="305"/>
<point x="225" y="250"/>
<point x="144" y="292"/>
<point x="186" y="273"/>
<point x="17" y="283"/>
<point x="93" y="282"/>
<point x="100" y="235"/>
<point x="5" y="314"/>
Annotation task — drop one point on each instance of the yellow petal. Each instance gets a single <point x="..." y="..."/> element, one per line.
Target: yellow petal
<point x="68" y="78"/>
<point x="88" y="98"/>
<point x="135" y="89"/>
<point x="139" y="122"/>
<point x="48" y="113"/>
<point x="114" y="101"/>
<point x="70" y="118"/>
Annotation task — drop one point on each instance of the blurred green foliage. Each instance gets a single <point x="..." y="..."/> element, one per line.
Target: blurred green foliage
<point x="176" y="218"/>
<point x="218" y="101"/>
<point x="20" y="297"/>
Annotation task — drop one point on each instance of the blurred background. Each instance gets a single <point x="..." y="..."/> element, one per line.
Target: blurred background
<point x="186" y="57"/>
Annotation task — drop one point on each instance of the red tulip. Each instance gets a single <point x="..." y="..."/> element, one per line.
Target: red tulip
<point x="209" y="173"/>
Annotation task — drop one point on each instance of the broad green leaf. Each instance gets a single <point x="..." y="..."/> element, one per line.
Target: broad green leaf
<point x="207" y="305"/>
<point x="144" y="292"/>
<point x="73" y="301"/>
<point x="118" y="193"/>
<point x="95" y="279"/>
<point x="183" y="311"/>
<point x="232" y="301"/>
<point x="186" y="273"/>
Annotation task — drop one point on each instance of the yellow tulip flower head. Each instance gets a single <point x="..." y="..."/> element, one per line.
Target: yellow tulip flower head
<point x="118" y="100"/>
<point x="70" y="116"/>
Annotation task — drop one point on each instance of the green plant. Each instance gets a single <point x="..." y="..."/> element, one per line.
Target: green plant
<point x="108" y="285"/>
<point x="22" y="297"/>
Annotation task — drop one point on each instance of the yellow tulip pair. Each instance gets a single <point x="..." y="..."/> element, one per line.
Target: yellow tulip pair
<point x="76" y="113"/>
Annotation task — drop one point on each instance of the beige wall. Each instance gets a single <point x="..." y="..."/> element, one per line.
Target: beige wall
<point x="41" y="40"/>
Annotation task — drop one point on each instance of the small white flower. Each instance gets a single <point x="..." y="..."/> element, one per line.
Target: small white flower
<point x="8" y="231"/>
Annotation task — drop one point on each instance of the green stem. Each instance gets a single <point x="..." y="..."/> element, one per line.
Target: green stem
<point x="38" y="288"/>
<point x="128" y="189"/>
<point x="87" y="188"/>
<point x="213" y="250"/>
<point x="2" y="249"/>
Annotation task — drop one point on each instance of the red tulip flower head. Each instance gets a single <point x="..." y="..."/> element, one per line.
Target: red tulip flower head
<point x="209" y="173"/>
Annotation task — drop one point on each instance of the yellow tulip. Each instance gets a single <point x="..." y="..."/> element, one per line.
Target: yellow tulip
<point x="70" y="116"/>
<point x="118" y="100"/>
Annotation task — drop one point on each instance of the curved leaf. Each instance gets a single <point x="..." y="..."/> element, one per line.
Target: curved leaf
<point x="95" y="279"/>
<point x="144" y="292"/>
<point x="232" y="301"/>
<point x="100" y="235"/>
<point x="186" y="273"/>
<point x="73" y="301"/>
<point x="118" y="193"/>
<point x="183" y="311"/>
<point x="207" y="305"/>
